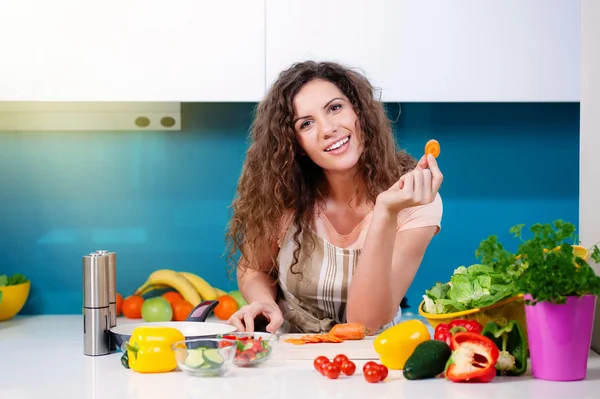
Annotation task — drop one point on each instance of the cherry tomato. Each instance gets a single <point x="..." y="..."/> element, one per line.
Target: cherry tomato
<point x="369" y="365"/>
<point x="340" y="359"/>
<point x="373" y="375"/>
<point x="323" y="366"/>
<point x="331" y="371"/>
<point x="318" y="361"/>
<point x="383" y="371"/>
<point x="348" y="367"/>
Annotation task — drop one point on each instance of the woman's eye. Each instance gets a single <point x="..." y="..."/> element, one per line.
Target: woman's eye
<point x="335" y="107"/>
<point x="304" y="124"/>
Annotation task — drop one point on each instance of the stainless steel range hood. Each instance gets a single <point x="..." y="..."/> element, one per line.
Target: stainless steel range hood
<point x="89" y="116"/>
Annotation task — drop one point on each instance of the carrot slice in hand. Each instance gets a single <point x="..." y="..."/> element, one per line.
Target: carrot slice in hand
<point x="432" y="147"/>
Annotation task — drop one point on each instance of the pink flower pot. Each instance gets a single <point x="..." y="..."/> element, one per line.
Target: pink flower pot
<point x="560" y="338"/>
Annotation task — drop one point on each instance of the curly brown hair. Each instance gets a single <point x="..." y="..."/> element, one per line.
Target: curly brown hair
<point x="277" y="178"/>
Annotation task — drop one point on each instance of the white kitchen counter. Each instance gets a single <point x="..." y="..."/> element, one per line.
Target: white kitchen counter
<point x="42" y="357"/>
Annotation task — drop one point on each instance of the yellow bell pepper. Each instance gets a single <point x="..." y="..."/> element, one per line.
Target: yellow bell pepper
<point x="395" y="344"/>
<point x="149" y="349"/>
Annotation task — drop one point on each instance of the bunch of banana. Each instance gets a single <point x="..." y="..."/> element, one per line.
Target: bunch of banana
<point x="205" y="290"/>
<point x="148" y="289"/>
<point x="192" y="287"/>
<point x="170" y="278"/>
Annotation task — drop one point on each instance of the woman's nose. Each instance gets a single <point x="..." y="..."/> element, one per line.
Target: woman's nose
<point x="327" y="129"/>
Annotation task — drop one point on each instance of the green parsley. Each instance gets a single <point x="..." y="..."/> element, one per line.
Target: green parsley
<point x="551" y="269"/>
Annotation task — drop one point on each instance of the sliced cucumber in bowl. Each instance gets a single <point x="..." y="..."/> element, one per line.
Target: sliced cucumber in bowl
<point x="213" y="357"/>
<point x="207" y="361"/>
<point x="195" y="358"/>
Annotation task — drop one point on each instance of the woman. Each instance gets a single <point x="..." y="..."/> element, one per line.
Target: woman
<point x="331" y="221"/>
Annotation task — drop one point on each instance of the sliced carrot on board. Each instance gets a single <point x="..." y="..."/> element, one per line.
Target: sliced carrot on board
<point x="332" y="339"/>
<point x="295" y="341"/>
<point x="432" y="147"/>
<point x="339" y="333"/>
<point x="314" y="339"/>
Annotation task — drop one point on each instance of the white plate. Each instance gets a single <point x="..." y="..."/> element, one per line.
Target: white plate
<point x="187" y="328"/>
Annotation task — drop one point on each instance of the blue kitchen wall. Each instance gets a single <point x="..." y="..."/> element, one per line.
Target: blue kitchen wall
<point x="160" y="199"/>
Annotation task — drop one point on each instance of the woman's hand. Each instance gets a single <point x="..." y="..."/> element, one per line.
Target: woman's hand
<point x="417" y="187"/>
<point x="243" y="319"/>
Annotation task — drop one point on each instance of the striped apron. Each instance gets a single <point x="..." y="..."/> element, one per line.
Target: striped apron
<point x="314" y="300"/>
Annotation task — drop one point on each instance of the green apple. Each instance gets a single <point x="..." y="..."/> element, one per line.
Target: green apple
<point x="157" y="309"/>
<point x="238" y="298"/>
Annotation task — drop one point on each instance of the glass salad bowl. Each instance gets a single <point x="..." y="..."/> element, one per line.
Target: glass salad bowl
<point x="252" y="348"/>
<point x="205" y="357"/>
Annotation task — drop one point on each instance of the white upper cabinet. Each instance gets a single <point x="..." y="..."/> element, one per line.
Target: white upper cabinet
<point x="436" y="50"/>
<point x="177" y="50"/>
<point x="232" y="50"/>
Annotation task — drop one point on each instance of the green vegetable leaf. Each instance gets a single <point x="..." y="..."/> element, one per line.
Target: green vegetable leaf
<point x="3" y="280"/>
<point x="438" y="291"/>
<point x="16" y="279"/>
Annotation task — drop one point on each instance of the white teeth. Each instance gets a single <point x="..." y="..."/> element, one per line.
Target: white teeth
<point x="337" y="144"/>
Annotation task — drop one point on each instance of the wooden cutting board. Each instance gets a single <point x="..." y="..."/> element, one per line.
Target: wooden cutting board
<point x="358" y="349"/>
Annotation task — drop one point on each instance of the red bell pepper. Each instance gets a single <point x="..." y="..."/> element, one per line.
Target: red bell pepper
<point x="473" y="359"/>
<point x="444" y="332"/>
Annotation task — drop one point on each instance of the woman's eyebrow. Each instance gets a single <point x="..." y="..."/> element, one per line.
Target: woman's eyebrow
<point x="330" y="101"/>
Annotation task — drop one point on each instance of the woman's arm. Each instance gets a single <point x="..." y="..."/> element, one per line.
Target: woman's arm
<point x="386" y="268"/>
<point x="389" y="262"/>
<point x="255" y="283"/>
<point x="391" y="256"/>
<point x="260" y="291"/>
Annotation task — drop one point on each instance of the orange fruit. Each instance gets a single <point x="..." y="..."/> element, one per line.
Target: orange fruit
<point x="432" y="147"/>
<point x="172" y="296"/>
<point x="181" y="309"/>
<point x="132" y="307"/>
<point x="226" y="307"/>
<point x="119" y="304"/>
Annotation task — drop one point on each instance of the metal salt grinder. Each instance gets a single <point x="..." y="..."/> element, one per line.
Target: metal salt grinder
<point x="112" y="292"/>
<point x="96" y="320"/>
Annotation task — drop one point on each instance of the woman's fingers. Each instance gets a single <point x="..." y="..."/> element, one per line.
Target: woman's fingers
<point x="436" y="174"/>
<point x="428" y="195"/>
<point x="235" y="320"/>
<point x="422" y="164"/>
<point x="408" y="184"/>
<point x="275" y="320"/>
<point x="418" y="185"/>
<point x="249" y="321"/>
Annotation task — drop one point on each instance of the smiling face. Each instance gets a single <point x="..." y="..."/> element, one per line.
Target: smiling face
<point x="327" y="127"/>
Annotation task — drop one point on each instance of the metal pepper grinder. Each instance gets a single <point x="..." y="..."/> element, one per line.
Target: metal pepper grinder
<point x="96" y="320"/>
<point x="112" y="292"/>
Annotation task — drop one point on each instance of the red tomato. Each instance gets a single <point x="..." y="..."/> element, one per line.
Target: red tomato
<point x="369" y="365"/>
<point x="256" y="346"/>
<point x="331" y="371"/>
<point x="348" y="367"/>
<point x="323" y="366"/>
<point x="383" y="371"/>
<point x="373" y="375"/>
<point x="340" y="359"/>
<point x="319" y="361"/>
